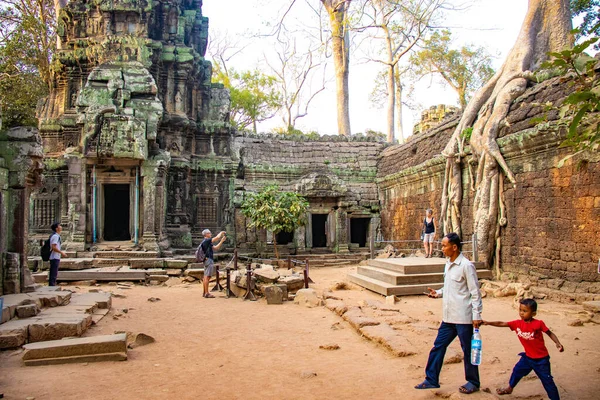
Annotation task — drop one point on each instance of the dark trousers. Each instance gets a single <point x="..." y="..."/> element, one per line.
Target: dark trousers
<point x="446" y="334"/>
<point x="541" y="367"/>
<point x="53" y="272"/>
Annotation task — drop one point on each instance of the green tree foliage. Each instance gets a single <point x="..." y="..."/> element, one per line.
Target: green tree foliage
<point x="465" y="70"/>
<point x="589" y="10"/>
<point x="254" y="96"/>
<point x="275" y="210"/>
<point x="583" y="104"/>
<point x="27" y="42"/>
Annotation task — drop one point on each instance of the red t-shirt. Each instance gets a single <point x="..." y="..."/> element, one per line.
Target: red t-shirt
<point x="530" y="335"/>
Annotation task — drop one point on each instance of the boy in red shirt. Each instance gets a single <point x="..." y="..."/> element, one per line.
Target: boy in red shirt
<point x="536" y="357"/>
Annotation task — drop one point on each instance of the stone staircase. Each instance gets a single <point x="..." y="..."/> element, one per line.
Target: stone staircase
<point x="405" y="276"/>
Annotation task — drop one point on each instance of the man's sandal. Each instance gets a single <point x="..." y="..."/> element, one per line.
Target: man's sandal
<point x="426" y="385"/>
<point x="468" y="388"/>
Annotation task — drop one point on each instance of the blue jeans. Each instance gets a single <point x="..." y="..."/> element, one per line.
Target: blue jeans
<point x="446" y="334"/>
<point x="53" y="272"/>
<point x="541" y="367"/>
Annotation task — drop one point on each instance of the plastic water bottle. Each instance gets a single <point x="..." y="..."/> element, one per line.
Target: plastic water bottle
<point x="476" y="348"/>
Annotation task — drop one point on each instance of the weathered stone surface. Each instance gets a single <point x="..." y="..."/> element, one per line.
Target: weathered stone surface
<point x="593" y="306"/>
<point x="103" y="300"/>
<point x="13" y="334"/>
<point x="293" y="282"/>
<point x="355" y="317"/>
<point x="173" y="263"/>
<point x="308" y="298"/>
<point x="27" y="311"/>
<point x="89" y="349"/>
<point x="266" y="275"/>
<point x="173" y="272"/>
<point x="284" y="290"/>
<point x="58" y="327"/>
<point x="273" y="294"/>
<point x="196" y="273"/>
<point x="158" y="278"/>
<point x="337" y="306"/>
<point x="388" y="338"/>
<point x="146" y="263"/>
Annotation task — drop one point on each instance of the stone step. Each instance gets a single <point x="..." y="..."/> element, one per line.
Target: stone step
<point x="397" y="278"/>
<point x="388" y="289"/>
<point x="54" y="323"/>
<point x="414" y="265"/>
<point x="64" y="276"/>
<point x="89" y="349"/>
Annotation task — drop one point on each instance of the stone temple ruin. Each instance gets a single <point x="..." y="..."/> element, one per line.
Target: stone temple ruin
<point x="139" y="154"/>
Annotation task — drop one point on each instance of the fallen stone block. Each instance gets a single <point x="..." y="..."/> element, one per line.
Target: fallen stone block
<point x="337" y="306"/>
<point x="196" y="273"/>
<point x="355" y="317"/>
<point x="159" y="278"/>
<point x="136" y="339"/>
<point x="56" y="327"/>
<point x="266" y="275"/>
<point x="307" y="297"/>
<point x="40" y="277"/>
<point x="13" y="334"/>
<point x="388" y="338"/>
<point x="178" y="264"/>
<point x="284" y="290"/>
<point x="273" y="294"/>
<point x="103" y="300"/>
<point x="173" y="282"/>
<point x="89" y="349"/>
<point x="146" y="263"/>
<point x="27" y="311"/>
<point x="173" y="272"/>
<point x="592" y="306"/>
<point x="293" y="282"/>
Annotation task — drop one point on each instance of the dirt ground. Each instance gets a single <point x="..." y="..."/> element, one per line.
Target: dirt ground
<point x="232" y="349"/>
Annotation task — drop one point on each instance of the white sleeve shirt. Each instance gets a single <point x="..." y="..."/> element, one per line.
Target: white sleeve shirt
<point x="460" y="294"/>
<point x="55" y="239"/>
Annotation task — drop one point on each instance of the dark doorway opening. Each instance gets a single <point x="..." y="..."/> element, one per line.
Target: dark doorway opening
<point x="284" y="237"/>
<point x="116" y="212"/>
<point x="359" y="227"/>
<point x="319" y="234"/>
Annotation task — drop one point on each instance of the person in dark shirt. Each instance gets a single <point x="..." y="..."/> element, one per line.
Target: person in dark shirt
<point x="208" y="247"/>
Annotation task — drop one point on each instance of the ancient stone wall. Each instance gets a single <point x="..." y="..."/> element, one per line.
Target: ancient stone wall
<point x="551" y="238"/>
<point x="336" y="174"/>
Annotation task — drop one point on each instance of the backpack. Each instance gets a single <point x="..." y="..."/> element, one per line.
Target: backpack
<point x="45" y="251"/>
<point x="200" y="255"/>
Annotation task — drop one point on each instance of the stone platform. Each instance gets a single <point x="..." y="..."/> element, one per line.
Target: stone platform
<point x="405" y="276"/>
<point x="63" y="314"/>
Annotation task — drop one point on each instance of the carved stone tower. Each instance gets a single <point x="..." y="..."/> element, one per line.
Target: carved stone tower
<point x="130" y="129"/>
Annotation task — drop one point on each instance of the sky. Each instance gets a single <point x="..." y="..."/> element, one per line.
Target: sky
<point x="492" y="24"/>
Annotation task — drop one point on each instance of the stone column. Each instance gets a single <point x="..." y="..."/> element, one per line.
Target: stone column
<point x="21" y="148"/>
<point x="77" y="198"/>
<point x="341" y="231"/>
<point x="153" y="172"/>
<point x="300" y="238"/>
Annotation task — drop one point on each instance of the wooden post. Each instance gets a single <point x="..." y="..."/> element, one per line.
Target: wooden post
<point x="249" y="295"/>
<point x="235" y="259"/>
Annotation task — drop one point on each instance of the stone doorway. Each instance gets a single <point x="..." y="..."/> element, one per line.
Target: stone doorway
<point x="116" y="212"/>
<point x="319" y="230"/>
<point x="359" y="229"/>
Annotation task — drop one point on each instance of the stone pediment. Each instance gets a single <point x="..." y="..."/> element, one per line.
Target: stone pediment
<point x="319" y="184"/>
<point x="120" y="111"/>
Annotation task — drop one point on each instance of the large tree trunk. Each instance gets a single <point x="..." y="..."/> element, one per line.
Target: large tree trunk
<point x="399" y="120"/>
<point x="391" y="90"/>
<point x="338" y="13"/>
<point x="546" y="29"/>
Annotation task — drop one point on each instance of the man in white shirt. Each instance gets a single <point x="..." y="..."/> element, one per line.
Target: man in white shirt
<point x="462" y="308"/>
<point x="55" y="254"/>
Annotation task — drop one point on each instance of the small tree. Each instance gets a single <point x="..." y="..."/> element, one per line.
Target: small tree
<point x="275" y="210"/>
